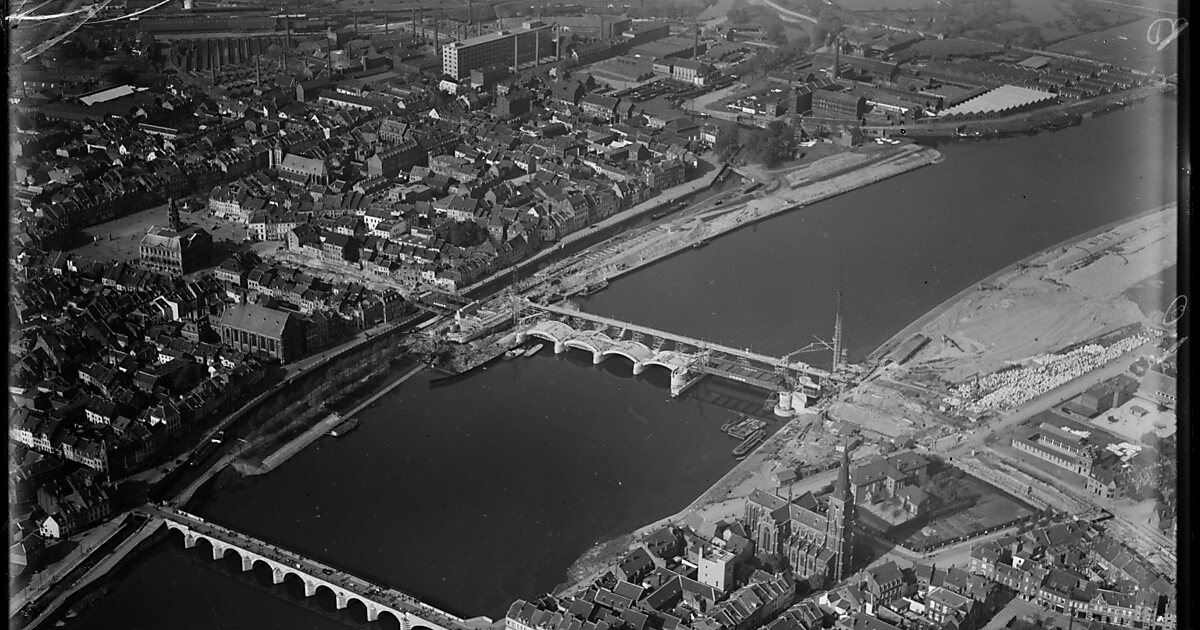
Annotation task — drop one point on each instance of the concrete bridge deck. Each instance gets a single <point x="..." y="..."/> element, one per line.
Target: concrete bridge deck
<point x="794" y="384"/>
<point x="744" y="354"/>
<point x="410" y="612"/>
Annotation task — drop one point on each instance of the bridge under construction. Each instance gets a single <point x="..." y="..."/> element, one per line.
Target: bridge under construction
<point x="688" y="359"/>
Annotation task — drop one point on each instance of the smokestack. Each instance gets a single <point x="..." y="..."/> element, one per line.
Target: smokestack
<point x="557" y="42"/>
<point x="516" y="61"/>
<point x="696" y="41"/>
<point x="356" y="23"/>
<point x="257" y="72"/>
<point x="414" y="22"/>
<point x="837" y="59"/>
<point x="436" y="39"/>
<point x="470" y="5"/>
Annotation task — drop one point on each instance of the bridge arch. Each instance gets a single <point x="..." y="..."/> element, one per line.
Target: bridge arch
<point x="295" y="584"/>
<point x="357" y="609"/>
<point x="204" y="546"/>
<point x="604" y="354"/>
<point x="389" y="619"/>
<point x="581" y="344"/>
<point x="325" y="597"/>
<point x="542" y="334"/>
<point x="659" y="363"/>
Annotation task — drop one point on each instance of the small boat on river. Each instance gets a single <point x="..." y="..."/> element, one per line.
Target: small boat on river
<point x="534" y="350"/>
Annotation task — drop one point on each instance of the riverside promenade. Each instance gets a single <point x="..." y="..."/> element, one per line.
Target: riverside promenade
<point x="297" y="444"/>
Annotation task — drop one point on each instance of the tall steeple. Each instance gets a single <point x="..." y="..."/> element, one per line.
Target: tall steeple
<point x="839" y="533"/>
<point x="841" y="489"/>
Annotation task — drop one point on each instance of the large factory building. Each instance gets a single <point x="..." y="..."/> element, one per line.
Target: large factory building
<point x="533" y="40"/>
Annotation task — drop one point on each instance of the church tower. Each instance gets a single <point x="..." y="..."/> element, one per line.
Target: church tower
<point x="173" y="216"/>
<point x="839" y="535"/>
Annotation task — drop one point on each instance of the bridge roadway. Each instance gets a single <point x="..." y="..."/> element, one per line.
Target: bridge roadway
<point x="410" y="612"/>
<point x="768" y="361"/>
<point x="792" y="381"/>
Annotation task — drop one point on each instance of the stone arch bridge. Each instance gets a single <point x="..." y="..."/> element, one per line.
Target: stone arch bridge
<point x="410" y="612"/>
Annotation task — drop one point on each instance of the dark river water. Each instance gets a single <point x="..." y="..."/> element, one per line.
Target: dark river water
<point x="485" y="491"/>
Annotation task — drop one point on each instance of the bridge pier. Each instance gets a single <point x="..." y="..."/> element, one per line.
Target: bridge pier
<point x="638" y="367"/>
<point x="342" y="599"/>
<point x="681" y="380"/>
<point x="783" y="407"/>
<point x="189" y="539"/>
<point x="218" y="550"/>
<point x="372" y="613"/>
<point x="310" y="588"/>
<point x="799" y="401"/>
<point x="560" y="347"/>
<point x="247" y="561"/>
<point x="597" y="358"/>
<point x="277" y="574"/>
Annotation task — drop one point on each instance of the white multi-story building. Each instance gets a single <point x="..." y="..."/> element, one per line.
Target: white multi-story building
<point x="534" y="40"/>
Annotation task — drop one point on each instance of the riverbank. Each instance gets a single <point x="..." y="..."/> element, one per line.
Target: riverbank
<point x="725" y="499"/>
<point x="991" y="281"/>
<point x="292" y="447"/>
<point x="83" y="586"/>
<point x="783" y="200"/>
<point x="823" y="179"/>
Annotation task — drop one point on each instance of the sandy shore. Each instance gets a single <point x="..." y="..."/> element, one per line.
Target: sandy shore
<point x="942" y="308"/>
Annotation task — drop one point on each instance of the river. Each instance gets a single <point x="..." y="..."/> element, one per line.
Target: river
<point x="485" y="491"/>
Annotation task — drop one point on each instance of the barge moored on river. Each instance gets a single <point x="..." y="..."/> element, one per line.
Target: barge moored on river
<point x="344" y="427"/>
<point x="748" y="444"/>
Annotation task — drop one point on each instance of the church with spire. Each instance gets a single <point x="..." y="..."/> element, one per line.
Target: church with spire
<point x="815" y="533"/>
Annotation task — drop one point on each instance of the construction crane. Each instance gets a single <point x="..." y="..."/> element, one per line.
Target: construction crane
<point x="834" y="346"/>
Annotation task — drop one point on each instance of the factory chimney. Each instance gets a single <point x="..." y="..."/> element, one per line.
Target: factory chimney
<point x="696" y="41"/>
<point x="837" y="58"/>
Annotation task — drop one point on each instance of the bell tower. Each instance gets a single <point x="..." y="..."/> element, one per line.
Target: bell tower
<point x="173" y="216"/>
<point x="839" y="533"/>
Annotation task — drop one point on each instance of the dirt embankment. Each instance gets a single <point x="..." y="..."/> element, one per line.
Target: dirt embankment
<point x="1063" y="296"/>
